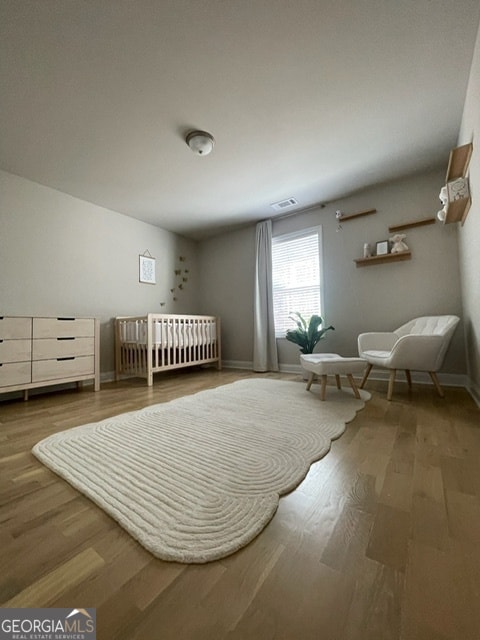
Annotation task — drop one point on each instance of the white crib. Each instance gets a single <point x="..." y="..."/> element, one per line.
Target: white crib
<point x="148" y="344"/>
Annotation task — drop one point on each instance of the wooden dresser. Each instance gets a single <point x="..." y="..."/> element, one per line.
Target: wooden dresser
<point x="37" y="352"/>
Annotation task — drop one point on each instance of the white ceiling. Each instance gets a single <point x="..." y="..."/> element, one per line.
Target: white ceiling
<point x="305" y="98"/>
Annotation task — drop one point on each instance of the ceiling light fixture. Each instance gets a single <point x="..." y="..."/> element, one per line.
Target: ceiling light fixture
<point x="200" y="142"/>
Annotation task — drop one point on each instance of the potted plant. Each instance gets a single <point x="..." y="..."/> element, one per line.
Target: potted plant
<point x="308" y="333"/>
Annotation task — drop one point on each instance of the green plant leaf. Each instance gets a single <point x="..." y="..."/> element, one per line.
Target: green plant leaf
<point x="308" y="333"/>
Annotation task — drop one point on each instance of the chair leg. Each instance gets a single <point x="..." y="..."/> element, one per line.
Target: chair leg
<point x="337" y="378"/>
<point x="409" y="378"/>
<point x="353" y="385"/>
<point x="367" y="372"/>
<point x="311" y="378"/>
<point x="324" y="387"/>
<point x="439" y="389"/>
<point x="391" y="383"/>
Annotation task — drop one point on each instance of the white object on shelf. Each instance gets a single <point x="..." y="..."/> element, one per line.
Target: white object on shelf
<point x="367" y="250"/>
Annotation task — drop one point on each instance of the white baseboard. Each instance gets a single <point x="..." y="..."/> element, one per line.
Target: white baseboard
<point x="474" y="391"/>
<point x="291" y="368"/>
<point x="446" y="379"/>
<point x="419" y="377"/>
<point x="237" y="364"/>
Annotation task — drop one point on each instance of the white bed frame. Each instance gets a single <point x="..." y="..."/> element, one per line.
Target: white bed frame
<point x="145" y="345"/>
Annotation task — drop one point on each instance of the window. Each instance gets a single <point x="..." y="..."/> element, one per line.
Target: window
<point x="296" y="271"/>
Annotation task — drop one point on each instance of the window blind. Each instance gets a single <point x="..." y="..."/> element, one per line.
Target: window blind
<point x="296" y="277"/>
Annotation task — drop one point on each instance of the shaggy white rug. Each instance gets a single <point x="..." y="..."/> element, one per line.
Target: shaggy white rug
<point x="197" y="478"/>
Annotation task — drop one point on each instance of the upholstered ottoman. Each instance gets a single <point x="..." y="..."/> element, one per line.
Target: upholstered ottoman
<point x="331" y="364"/>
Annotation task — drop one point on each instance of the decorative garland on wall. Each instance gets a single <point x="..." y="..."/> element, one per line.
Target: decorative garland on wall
<point x="181" y="278"/>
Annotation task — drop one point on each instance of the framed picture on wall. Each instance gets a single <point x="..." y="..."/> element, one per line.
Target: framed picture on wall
<point x="146" y="269"/>
<point x="382" y="248"/>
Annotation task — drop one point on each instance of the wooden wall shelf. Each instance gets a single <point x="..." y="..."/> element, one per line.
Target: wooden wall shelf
<point x="351" y="216"/>
<point x="388" y="257"/>
<point x="459" y="161"/>
<point x="411" y="225"/>
<point x="457" y="210"/>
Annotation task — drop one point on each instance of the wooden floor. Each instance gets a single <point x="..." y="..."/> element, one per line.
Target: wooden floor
<point x="381" y="540"/>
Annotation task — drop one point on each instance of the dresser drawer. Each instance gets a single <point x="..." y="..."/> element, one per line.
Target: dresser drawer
<point x="47" y="348"/>
<point x="13" y="328"/>
<point x="62" y="368"/>
<point x="63" y="327"/>
<point x="15" y="373"/>
<point x="15" y="350"/>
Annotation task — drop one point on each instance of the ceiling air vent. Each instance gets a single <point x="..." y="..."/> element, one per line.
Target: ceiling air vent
<point x="284" y="204"/>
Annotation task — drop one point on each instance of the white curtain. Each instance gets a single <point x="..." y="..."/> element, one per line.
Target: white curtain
<point x="265" y="356"/>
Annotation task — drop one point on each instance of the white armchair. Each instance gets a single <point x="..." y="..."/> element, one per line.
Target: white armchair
<point x="418" y="345"/>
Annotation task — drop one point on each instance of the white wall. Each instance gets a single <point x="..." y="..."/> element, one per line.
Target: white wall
<point x="379" y="297"/>
<point x="227" y="268"/>
<point x="469" y="234"/>
<point x="62" y="256"/>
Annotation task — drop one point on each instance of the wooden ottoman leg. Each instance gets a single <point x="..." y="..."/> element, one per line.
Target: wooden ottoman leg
<point x="337" y="378"/>
<point x="310" y="380"/>
<point x="353" y="385"/>
<point x="324" y="387"/>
